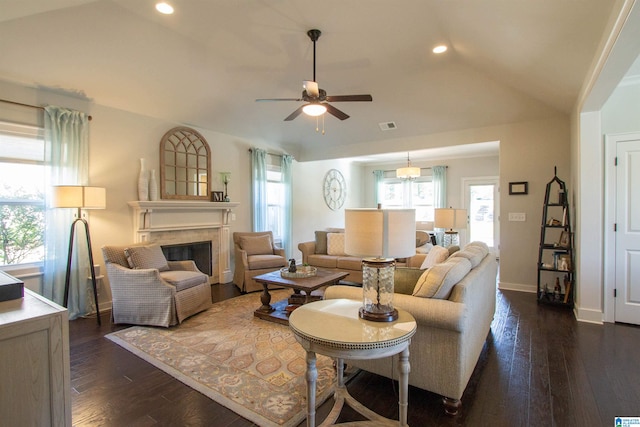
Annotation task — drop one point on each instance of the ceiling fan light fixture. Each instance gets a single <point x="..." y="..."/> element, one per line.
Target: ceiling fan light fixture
<point x="164" y="8"/>
<point x="314" y="110"/>
<point x="440" y="49"/>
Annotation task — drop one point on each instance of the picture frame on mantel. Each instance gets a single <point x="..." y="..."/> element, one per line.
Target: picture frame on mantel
<point x="217" y="196"/>
<point x="517" y="188"/>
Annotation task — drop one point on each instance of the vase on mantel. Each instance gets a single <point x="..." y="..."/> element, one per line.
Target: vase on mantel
<point x="153" y="186"/>
<point x="143" y="183"/>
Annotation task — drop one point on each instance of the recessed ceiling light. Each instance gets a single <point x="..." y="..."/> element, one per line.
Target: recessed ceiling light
<point x="440" y="49"/>
<point x="164" y="8"/>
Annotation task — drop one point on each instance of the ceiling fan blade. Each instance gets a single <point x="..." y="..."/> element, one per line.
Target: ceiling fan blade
<point x="295" y="114"/>
<point x="347" y="98"/>
<point x="279" y="99"/>
<point x="335" y="112"/>
<point x="312" y="88"/>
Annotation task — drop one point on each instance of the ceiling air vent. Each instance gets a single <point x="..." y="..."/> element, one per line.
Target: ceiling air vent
<point x="388" y="126"/>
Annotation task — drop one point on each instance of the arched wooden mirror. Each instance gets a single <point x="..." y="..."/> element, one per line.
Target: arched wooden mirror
<point x="185" y="160"/>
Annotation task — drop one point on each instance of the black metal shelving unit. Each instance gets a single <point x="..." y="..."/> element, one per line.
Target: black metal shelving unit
<point x="555" y="255"/>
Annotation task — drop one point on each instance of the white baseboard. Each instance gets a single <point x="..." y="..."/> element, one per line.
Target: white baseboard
<point x="517" y="287"/>
<point x="588" y="315"/>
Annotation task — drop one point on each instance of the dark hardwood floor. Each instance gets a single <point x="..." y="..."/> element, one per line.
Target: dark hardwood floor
<point x="539" y="367"/>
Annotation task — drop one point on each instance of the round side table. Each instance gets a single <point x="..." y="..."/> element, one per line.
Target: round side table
<point x="333" y="328"/>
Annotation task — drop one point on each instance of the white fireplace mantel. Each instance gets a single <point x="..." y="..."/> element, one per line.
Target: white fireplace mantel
<point x="155" y="218"/>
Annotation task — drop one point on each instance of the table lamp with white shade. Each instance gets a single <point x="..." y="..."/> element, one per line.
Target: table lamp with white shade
<point x="79" y="197"/>
<point x="450" y="219"/>
<point x="379" y="236"/>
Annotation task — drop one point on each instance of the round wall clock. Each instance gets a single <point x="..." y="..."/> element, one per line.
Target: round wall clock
<point x="335" y="189"/>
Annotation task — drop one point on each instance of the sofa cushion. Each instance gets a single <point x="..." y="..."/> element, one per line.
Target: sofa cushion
<point x="349" y="263"/>
<point x="437" y="281"/>
<point x="335" y="244"/>
<point x="183" y="279"/>
<point x="422" y="237"/>
<point x="258" y="262"/>
<point x="326" y="261"/>
<point x="436" y="255"/>
<point x="321" y="242"/>
<point x="424" y="249"/>
<point x="150" y="256"/>
<point x="474" y="254"/>
<point x="256" y="245"/>
<point x="480" y="244"/>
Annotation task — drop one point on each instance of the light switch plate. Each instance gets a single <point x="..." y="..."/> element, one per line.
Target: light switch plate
<point x="517" y="216"/>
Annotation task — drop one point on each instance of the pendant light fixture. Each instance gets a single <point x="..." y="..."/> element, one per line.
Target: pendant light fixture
<point x="409" y="172"/>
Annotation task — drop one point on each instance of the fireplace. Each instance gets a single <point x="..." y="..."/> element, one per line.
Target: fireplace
<point x="199" y="252"/>
<point x="179" y="226"/>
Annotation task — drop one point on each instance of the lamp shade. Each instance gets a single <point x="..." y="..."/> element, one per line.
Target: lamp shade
<point x="78" y="196"/>
<point x="380" y="233"/>
<point x="408" y="172"/>
<point x="450" y="218"/>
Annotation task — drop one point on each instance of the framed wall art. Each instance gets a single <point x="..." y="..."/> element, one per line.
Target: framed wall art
<point x="516" y="188"/>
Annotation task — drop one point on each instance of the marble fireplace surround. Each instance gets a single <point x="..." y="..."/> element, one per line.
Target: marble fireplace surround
<point x="171" y="222"/>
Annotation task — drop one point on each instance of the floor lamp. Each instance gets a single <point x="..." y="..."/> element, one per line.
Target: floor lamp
<point x="79" y="197"/>
<point x="380" y="236"/>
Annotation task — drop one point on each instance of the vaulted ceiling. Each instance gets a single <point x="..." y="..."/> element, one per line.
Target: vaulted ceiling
<point x="205" y="65"/>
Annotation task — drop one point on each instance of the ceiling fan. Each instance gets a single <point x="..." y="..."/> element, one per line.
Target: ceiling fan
<point x="317" y="100"/>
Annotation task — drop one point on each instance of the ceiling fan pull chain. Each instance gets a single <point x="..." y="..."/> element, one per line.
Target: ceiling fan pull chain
<point x="317" y="118"/>
<point x="323" y="124"/>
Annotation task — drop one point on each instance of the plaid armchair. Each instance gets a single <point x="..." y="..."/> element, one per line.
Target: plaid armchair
<point x="255" y="254"/>
<point x="155" y="291"/>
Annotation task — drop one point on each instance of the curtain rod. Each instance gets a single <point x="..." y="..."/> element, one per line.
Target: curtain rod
<point x="6" y="101"/>
<point x="271" y="154"/>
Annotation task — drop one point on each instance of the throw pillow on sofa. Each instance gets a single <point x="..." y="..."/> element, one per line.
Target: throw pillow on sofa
<point x="256" y="245"/>
<point x="142" y="257"/>
<point x="321" y="242"/>
<point x="436" y="255"/>
<point x="438" y="281"/>
<point x="335" y="244"/>
<point x="474" y="254"/>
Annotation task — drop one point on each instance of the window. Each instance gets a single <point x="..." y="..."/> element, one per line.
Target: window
<point x="418" y="193"/>
<point x="21" y="194"/>
<point x="275" y="202"/>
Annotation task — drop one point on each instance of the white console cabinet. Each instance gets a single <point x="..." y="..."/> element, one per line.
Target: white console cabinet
<point x="35" y="381"/>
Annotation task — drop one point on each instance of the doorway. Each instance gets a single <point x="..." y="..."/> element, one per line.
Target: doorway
<point x="622" y="246"/>
<point x="483" y="204"/>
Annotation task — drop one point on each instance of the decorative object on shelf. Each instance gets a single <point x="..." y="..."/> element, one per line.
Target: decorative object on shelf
<point x="335" y="189"/>
<point x="225" y="177"/>
<point x="516" y="188"/>
<point x="185" y="162"/>
<point x="143" y="182"/>
<point x="300" y="273"/>
<point x="153" y="186"/>
<point x="80" y="197"/>
<point x="408" y="172"/>
<point x="379" y="235"/>
<point x="451" y="219"/>
<point x="563" y="241"/>
<point x="217" y="196"/>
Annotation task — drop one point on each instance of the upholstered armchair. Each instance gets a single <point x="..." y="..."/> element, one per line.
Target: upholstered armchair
<point x="255" y="254"/>
<point x="147" y="289"/>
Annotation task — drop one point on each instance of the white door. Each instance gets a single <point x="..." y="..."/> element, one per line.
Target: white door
<point x="483" y="205"/>
<point x="627" y="246"/>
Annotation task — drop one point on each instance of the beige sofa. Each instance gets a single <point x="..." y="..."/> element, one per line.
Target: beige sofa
<point x="319" y="253"/>
<point x="452" y="325"/>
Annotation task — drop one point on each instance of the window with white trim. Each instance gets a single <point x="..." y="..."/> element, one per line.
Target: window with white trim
<point x="396" y="193"/>
<point x="22" y="188"/>
<point x="275" y="202"/>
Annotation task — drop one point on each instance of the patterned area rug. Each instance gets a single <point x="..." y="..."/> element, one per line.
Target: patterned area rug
<point x="253" y="367"/>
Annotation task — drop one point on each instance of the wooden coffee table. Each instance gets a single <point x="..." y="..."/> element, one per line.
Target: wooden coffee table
<point x="279" y="311"/>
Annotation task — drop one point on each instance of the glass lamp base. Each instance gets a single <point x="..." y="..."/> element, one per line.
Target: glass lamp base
<point x="451" y="238"/>
<point x="377" y="289"/>
<point x="388" y="316"/>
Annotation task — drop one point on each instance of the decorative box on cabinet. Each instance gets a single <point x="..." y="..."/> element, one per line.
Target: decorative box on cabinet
<point x="35" y="380"/>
